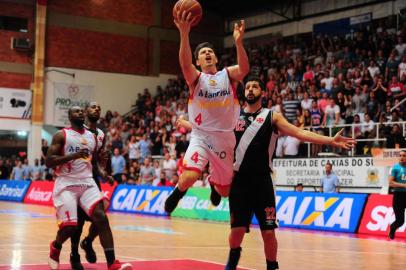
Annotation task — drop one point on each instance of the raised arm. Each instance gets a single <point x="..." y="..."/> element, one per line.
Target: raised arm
<point x="54" y="157"/>
<point x="183" y="22"/>
<point x="308" y="136"/>
<point x="239" y="71"/>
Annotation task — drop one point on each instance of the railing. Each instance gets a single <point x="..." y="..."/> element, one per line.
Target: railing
<point x="376" y="138"/>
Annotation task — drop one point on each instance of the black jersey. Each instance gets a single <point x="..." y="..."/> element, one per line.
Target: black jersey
<point x="256" y="142"/>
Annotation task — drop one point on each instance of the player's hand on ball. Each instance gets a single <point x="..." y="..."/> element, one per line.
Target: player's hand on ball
<point x="239" y="30"/>
<point x="343" y="142"/>
<point x="183" y="21"/>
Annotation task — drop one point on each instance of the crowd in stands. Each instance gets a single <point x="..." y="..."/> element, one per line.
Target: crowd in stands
<point x="318" y="83"/>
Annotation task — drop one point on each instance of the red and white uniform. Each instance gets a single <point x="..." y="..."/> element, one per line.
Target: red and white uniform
<point x="74" y="183"/>
<point x="213" y="111"/>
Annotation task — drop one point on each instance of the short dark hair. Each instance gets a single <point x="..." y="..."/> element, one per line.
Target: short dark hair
<point x="254" y="78"/>
<point x="328" y="163"/>
<point x="201" y="46"/>
<point x="299" y="185"/>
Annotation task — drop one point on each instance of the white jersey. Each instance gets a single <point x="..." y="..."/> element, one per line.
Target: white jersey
<point x="78" y="169"/>
<point x="213" y="104"/>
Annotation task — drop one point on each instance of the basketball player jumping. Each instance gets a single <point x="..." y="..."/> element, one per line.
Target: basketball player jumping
<point x="71" y="152"/>
<point x="213" y="111"/>
<point x="93" y="111"/>
<point x="252" y="189"/>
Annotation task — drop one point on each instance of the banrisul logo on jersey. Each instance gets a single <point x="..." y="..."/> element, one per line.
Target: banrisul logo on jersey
<point x="330" y="212"/>
<point x="139" y="199"/>
<point x="196" y="204"/>
<point x="13" y="190"/>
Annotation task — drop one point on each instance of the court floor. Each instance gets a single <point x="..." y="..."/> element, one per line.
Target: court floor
<point x="163" y="243"/>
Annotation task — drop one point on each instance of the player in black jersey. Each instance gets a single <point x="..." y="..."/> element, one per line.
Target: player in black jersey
<point x="252" y="189"/>
<point x="92" y="117"/>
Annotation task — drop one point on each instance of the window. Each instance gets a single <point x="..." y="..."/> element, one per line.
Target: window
<point x="14" y="24"/>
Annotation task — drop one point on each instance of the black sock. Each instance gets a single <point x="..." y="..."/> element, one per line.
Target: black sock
<point x="271" y="265"/>
<point x="87" y="240"/>
<point x="179" y="193"/>
<point x="233" y="258"/>
<point x="57" y="245"/>
<point x="110" y="256"/>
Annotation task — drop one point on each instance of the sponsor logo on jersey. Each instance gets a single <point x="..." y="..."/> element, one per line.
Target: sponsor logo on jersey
<point x="208" y="95"/>
<point x="260" y="120"/>
<point x="212" y="82"/>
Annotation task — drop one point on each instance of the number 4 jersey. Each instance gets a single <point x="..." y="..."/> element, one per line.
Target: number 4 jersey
<point x="213" y="104"/>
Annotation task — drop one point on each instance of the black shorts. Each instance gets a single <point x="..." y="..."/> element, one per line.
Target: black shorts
<point x="256" y="198"/>
<point x="82" y="214"/>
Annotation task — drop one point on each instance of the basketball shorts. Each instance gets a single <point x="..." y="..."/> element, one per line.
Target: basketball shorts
<point x="106" y="203"/>
<point x="214" y="147"/>
<point x="247" y="200"/>
<point x="67" y="199"/>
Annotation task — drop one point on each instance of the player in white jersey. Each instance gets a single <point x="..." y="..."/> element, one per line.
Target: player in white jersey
<point x="92" y="117"/>
<point x="213" y="111"/>
<point x="71" y="153"/>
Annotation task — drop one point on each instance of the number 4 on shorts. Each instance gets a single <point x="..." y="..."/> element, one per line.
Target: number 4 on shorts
<point x="198" y="119"/>
<point x="195" y="157"/>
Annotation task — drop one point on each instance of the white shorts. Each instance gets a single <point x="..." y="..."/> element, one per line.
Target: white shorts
<point x="67" y="199"/>
<point x="216" y="148"/>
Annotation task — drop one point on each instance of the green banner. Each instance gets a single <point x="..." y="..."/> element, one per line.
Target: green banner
<point x="196" y="204"/>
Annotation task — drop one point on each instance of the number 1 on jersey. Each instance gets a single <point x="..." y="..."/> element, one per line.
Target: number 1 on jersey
<point x="198" y="119"/>
<point x="195" y="157"/>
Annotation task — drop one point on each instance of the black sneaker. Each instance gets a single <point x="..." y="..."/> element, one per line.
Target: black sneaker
<point x="392" y="233"/>
<point x="173" y="199"/>
<point x="75" y="262"/>
<point x="86" y="245"/>
<point x="215" y="198"/>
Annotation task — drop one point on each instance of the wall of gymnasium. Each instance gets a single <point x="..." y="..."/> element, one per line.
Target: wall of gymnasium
<point x="125" y="45"/>
<point x="378" y="9"/>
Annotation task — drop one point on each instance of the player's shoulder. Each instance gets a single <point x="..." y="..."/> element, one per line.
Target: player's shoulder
<point x="396" y="167"/>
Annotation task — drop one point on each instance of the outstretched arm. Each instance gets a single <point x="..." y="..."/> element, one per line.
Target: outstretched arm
<point x="183" y="22"/>
<point x="238" y="72"/>
<point x="308" y="136"/>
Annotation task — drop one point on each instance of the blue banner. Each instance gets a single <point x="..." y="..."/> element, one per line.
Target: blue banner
<point x="338" y="212"/>
<point x="13" y="190"/>
<point x="140" y="199"/>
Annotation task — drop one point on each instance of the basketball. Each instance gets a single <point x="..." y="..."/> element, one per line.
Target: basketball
<point x="191" y="6"/>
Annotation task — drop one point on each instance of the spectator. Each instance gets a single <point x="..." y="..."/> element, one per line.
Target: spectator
<point x="169" y="166"/>
<point x="395" y="138"/>
<point x="18" y="171"/>
<point x="306" y="103"/>
<point x="37" y="171"/>
<point x="329" y="183"/>
<point x="27" y="169"/>
<point x="291" y="145"/>
<point x="117" y="165"/>
<point x="147" y="173"/>
<point x="133" y="149"/>
<point x="163" y="181"/>
<point x="145" y="145"/>
<point x="181" y="146"/>
<point x="290" y="105"/>
<point x="4" y="171"/>
<point x="396" y="88"/>
<point x="332" y="114"/>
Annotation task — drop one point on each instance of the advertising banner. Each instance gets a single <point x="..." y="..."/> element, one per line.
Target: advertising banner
<point x="108" y="189"/>
<point x="351" y="172"/>
<point x="40" y="192"/>
<point x="378" y="216"/>
<point x="69" y="95"/>
<point x="13" y="190"/>
<point x="140" y="199"/>
<point x="15" y="103"/>
<point x="196" y="204"/>
<point x="338" y="212"/>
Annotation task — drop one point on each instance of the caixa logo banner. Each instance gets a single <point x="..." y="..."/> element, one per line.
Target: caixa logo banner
<point x="318" y="211"/>
<point x="12" y="190"/>
<point x="140" y="199"/>
<point x="378" y="216"/>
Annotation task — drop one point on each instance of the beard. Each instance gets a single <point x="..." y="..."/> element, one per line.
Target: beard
<point x="93" y="118"/>
<point x="253" y="100"/>
<point x="78" y="122"/>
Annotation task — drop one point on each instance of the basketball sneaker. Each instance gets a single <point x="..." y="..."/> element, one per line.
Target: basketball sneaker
<point x="86" y="245"/>
<point x="75" y="262"/>
<point x="53" y="260"/>
<point x="120" y="266"/>
<point x="173" y="199"/>
<point x="392" y="233"/>
<point x="215" y="198"/>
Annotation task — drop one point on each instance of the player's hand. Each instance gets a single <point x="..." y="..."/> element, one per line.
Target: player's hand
<point x="83" y="153"/>
<point x="343" y="142"/>
<point x="183" y="21"/>
<point x="181" y="122"/>
<point x="239" y="30"/>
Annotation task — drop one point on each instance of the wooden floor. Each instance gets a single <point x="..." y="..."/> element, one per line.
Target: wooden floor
<point x="26" y="230"/>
